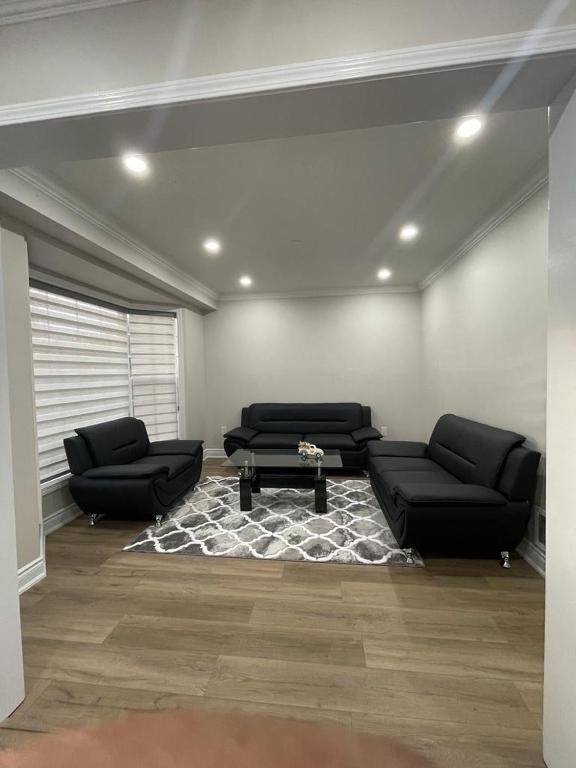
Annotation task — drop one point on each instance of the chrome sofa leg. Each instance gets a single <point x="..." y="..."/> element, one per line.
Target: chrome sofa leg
<point x="505" y="562"/>
<point x="159" y="520"/>
<point x="93" y="518"/>
<point x="410" y="556"/>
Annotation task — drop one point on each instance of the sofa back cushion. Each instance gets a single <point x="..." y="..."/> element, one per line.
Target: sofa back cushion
<point x="116" y="442"/>
<point x="475" y="453"/>
<point x="305" y="418"/>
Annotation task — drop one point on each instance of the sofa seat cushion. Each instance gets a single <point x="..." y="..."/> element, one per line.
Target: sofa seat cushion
<point x="176" y="464"/>
<point x="333" y="441"/>
<point x="381" y="464"/>
<point x="438" y="477"/>
<point x="397" y="448"/>
<point x="445" y="494"/>
<point x="275" y="440"/>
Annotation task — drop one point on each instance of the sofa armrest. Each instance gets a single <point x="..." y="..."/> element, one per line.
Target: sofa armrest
<point x="175" y="447"/>
<point x="450" y="493"/>
<point x="242" y="434"/>
<point x="400" y="448"/>
<point x="364" y="434"/>
<point x="126" y="471"/>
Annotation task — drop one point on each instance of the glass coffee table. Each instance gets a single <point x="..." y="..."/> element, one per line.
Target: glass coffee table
<point x="282" y="469"/>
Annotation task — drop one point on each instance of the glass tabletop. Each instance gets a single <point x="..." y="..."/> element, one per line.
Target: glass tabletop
<point x="282" y="457"/>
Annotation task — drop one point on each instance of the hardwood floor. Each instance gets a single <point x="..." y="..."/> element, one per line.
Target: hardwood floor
<point x="447" y="659"/>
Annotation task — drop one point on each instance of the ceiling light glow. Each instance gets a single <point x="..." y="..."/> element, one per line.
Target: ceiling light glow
<point x="136" y="164"/>
<point x="245" y="281"/>
<point x="408" y="232"/>
<point x="211" y="245"/>
<point x="384" y="274"/>
<point x="469" y="127"/>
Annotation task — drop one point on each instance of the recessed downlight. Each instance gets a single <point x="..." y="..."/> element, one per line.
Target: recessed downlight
<point x="408" y="232"/>
<point x="212" y="245"/>
<point x="245" y="281"/>
<point x="384" y="274"/>
<point x="468" y="127"/>
<point x="135" y="164"/>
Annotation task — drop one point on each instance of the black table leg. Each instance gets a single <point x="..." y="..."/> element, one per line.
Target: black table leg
<point x="320" y="495"/>
<point x="245" y="491"/>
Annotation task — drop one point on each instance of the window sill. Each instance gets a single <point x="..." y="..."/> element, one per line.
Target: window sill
<point x="54" y="485"/>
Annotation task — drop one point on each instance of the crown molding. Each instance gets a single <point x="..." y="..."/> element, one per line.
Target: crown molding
<point x="19" y="11"/>
<point x="537" y="181"/>
<point x="321" y="293"/>
<point x="140" y="254"/>
<point x="447" y="55"/>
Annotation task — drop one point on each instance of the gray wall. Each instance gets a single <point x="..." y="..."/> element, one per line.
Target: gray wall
<point x="192" y="379"/>
<point x="361" y="348"/>
<point x="484" y="325"/>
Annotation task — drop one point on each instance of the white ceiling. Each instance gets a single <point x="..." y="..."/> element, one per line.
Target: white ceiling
<point x="317" y="212"/>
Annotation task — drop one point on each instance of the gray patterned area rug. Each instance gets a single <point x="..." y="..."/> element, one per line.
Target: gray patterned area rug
<point x="281" y="526"/>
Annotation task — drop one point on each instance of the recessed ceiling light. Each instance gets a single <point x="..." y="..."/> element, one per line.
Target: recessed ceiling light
<point x="136" y="164"/>
<point x="211" y="245"/>
<point x="408" y="232"/>
<point x="245" y="281"/>
<point x="469" y="127"/>
<point x="384" y="274"/>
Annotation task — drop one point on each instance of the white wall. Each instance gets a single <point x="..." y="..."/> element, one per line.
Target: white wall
<point x="352" y="348"/>
<point x="484" y="330"/>
<point x="19" y="349"/>
<point x="560" y="667"/>
<point x="159" y="40"/>
<point x="192" y="379"/>
<point x="11" y="671"/>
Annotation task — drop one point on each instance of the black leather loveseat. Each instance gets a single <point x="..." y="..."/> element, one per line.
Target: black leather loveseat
<point x="469" y="490"/>
<point x="346" y="427"/>
<point x="117" y="470"/>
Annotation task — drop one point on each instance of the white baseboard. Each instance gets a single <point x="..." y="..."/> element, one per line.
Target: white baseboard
<point x="31" y="574"/>
<point x="59" y="518"/>
<point x="214" y="453"/>
<point x="533" y="555"/>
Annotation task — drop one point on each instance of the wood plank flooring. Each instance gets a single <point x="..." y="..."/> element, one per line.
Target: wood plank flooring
<point x="447" y="659"/>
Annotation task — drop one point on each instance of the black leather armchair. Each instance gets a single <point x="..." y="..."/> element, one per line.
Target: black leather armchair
<point x="116" y="470"/>
<point x="469" y="490"/>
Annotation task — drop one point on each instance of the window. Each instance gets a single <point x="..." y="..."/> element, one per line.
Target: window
<point x="94" y="363"/>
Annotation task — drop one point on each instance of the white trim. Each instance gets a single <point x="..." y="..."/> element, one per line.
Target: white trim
<point x="214" y="453"/>
<point x="319" y="293"/>
<point x="127" y="247"/>
<point x="533" y="555"/>
<point x="536" y="182"/>
<point x="31" y="574"/>
<point x="446" y="55"/>
<point x="60" y="518"/>
<point x="50" y="486"/>
<point x="17" y="11"/>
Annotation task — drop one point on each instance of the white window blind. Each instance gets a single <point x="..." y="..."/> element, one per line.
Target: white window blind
<point x="154" y="373"/>
<point x="81" y="371"/>
<point x="95" y="363"/>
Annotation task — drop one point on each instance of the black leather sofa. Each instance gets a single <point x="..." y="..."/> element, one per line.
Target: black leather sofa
<point x="469" y="490"/>
<point x="346" y="427"/>
<point x="116" y="470"/>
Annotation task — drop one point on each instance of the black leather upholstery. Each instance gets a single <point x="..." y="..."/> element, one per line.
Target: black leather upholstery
<point x="116" y="470"/>
<point x="343" y="426"/>
<point x="116" y="442"/>
<point x="469" y="491"/>
<point x="473" y="452"/>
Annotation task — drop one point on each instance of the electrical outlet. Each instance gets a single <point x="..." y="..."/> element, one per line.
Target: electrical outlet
<point x="384" y="431"/>
<point x="223" y="430"/>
